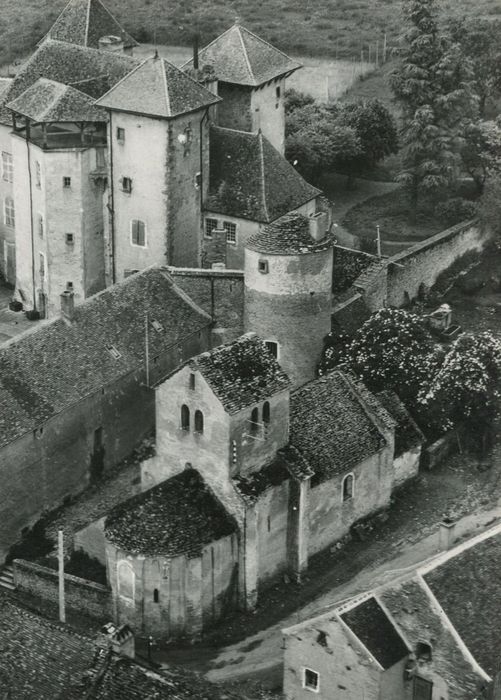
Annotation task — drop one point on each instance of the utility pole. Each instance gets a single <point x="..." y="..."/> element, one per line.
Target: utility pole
<point x="60" y="556"/>
<point x="378" y="241"/>
<point x="384" y="47"/>
<point x="147" y="349"/>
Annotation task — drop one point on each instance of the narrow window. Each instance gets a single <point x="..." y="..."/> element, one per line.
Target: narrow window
<point x="234" y="452"/>
<point x="269" y="523"/>
<point x="9" y="214"/>
<point x="127" y="184"/>
<point x="38" y="175"/>
<point x="42" y="265"/>
<point x="262" y="266"/>
<point x="348" y="487"/>
<point x="192" y="380"/>
<point x="424" y="651"/>
<point x="231" y="231"/>
<point x="277" y="92"/>
<point x="98" y="439"/>
<point x="70" y="239"/>
<point x="185" y="417"/>
<point x="120" y="134"/>
<point x="66" y="182"/>
<point x="272" y="348"/>
<point x="40" y="226"/>
<point x="155" y="595"/>
<point x="266" y="412"/>
<point x="198" y="181"/>
<point x="311" y="680"/>
<point x="7" y="167"/>
<point x="199" y="422"/>
<point x="254" y="421"/>
<point x="422" y="689"/>
<point x="100" y="158"/>
<point x="210" y="225"/>
<point x="138" y="232"/>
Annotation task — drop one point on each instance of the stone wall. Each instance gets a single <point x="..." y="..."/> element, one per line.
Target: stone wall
<point x="7" y="233"/>
<point x="348" y="266"/>
<point x="234" y="112"/>
<point x="90" y="539"/>
<point x="272" y="531"/>
<point x="406" y="465"/>
<point x="82" y="596"/>
<point x="268" y="112"/>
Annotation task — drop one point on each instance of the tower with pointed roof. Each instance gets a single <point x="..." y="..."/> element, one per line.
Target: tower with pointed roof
<point x="251" y="78"/>
<point x="158" y="178"/>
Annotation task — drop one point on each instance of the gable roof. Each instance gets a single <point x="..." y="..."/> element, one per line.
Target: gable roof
<point x="289" y="235"/>
<point x="331" y="426"/>
<point x="159" y="89"/>
<point x="240" y="57"/>
<point x="89" y="70"/>
<point x="179" y="516"/>
<point x="369" y="622"/>
<point x="75" y="357"/>
<point x="407" y="433"/>
<point x="241" y="373"/>
<point x="50" y="101"/>
<point x="250" y="179"/>
<point x="84" y="22"/>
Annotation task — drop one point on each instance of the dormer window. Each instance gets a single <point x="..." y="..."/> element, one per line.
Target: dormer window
<point x="424" y="651"/>
<point x="116" y="355"/>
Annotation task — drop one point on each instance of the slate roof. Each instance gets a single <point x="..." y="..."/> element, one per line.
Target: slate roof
<point x="84" y="22"/>
<point x="159" y="89"/>
<point x="50" y="101"/>
<point x="468" y="587"/>
<point x="177" y="517"/>
<point x="240" y="57"/>
<point x="4" y="85"/>
<point x="89" y="70"/>
<point x="250" y="179"/>
<point x="369" y="622"/>
<point x="289" y="235"/>
<point x="331" y="427"/>
<point x="241" y="373"/>
<point x="47" y="370"/>
<point x="407" y="433"/>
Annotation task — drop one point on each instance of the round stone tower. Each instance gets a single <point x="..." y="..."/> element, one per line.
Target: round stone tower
<point x="288" y="283"/>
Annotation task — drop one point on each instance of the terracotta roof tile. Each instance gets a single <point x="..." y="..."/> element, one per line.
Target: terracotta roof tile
<point x="84" y="22"/>
<point x="241" y="373"/>
<point x="330" y="426"/>
<point x="159" y="89"/>
<point x="49" y="101"/>
<point x="369" y="622"/>
<point x="250" y="179"/>
<point x="238" y="56"/>
<point x="45" y="371"/>
<point x="289" y="235"/>
<point x="179" y="516"/>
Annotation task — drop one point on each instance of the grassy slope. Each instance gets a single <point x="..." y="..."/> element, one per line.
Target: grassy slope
<point x="316" y="27"/>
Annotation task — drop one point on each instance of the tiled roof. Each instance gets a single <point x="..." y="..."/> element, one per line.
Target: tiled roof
<point x="241" y="373"/>
<point x="407" y="433"/>
<point x="4" y="85"/>
<point x="351" y="312"/>
<point x="45" y="371"/>
<point x="89" y="70"/>
<point x="251" y="486"/>
<point x="250" y="179"/>
<point x="49" y="101"/>
<point x="39" y="659"/>
<point x="289" y="235"/>
<point x="330" y="426"/>
<point x="238" y="56"/>
<point x="468" y="587"/>
<point x="179" y="516"/>
<point x="84" y="22"/>
<point x="157" y="88"/>
<point x="369" y="622"/>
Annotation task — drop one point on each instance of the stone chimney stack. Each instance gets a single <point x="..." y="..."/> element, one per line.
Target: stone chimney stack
<point x="319" y="223"/>
<point x="120" y="639"/>
<point x="68" y="304"/>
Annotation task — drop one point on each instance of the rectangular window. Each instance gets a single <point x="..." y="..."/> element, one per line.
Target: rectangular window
<point x="192" y="380"/>
<point x="138" y="232"/>
<point x="272" y="347"/>
<point x="231" y="231"/>
<point x="42" y="265"/>
<point x="127" y="184"/>
<point x="120" y="134"/>
<point x="262" y="266"/>
<point x="9" y="214"/>
<point x="210" y="225"/>
<point x="100" y="158"/>
<point x="422" y="690"/>
<point x="7" y="167"/>
<point x="70" y="239"/>
<point x="311" y="680"/>
<point x="66" y="182"/>
<point x="40" y="226"/>
<point x="38" y="175"/>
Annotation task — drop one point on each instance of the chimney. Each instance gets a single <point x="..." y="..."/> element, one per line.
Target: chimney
<point x="318" y="225"/>
<point x="119" y="639"/>
<point x="68" y="305"/>
<point x="195" y="51"/>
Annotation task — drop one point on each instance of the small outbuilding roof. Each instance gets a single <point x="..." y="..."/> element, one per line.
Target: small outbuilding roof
<point x="50" y="101"/>
<point x="407" y="433"/>
<point x="157" y="88"/>
<point x="289" y="235"/>
<point x="250" y="179"/>
<point x="178" y="517"/>
<point x="84" y="22"/>
<point x="241" y="373"/>
<point x="240" y="57"/>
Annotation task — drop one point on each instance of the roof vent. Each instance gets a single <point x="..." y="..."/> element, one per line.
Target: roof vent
<point x="318" y="225"/>
<point x="111" y="43"/>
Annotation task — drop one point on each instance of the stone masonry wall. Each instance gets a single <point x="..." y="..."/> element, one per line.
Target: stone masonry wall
<point x="234" y="112"/>
<point x="81" y="595"/>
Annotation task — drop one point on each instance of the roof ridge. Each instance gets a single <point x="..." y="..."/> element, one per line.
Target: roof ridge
<point x="353" y="389"/>
<point x="263" y="41"/>
<point x="204" y="48"/>
<point x="127" y="75"/>
<point x="164" y="78"/>
<point x="87" y="21"/>
<point x="263" y="173"/>
<point x="244" y="49"/>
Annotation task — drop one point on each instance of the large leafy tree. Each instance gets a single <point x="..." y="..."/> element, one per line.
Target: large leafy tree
<point x="481" y="151"/>
<point x="375" y="127"/>
<point x="490" y="205"/>
<point x="434" y="87"/>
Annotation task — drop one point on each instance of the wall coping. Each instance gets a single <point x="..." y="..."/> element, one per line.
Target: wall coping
<point x="44" y="571"/>
<point x="432" y="241"/>
<point x="203" y="272"/>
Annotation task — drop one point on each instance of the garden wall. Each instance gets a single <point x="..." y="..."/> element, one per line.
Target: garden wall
<point x="83" y="596"/>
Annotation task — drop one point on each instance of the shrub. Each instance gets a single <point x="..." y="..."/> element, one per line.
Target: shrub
<point x="455" y="210"/>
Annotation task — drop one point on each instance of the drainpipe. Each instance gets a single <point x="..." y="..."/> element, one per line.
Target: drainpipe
<point x="31" y="216"/>
<point x="111" y="207"/>
<point x="205" y="117"/>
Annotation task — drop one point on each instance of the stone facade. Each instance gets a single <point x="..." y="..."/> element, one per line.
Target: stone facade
<point x="7" y="230"/>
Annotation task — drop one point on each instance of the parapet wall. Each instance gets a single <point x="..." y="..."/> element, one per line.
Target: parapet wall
<point x="82" y="596"/>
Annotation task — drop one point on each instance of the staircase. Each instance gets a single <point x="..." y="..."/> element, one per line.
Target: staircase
<point x="7" y="578"/>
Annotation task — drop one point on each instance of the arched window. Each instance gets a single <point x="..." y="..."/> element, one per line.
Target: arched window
<point x="9" y="213"/>
<point x="185" y="417"/>
<point x="155" y="595"/>
<point x="254" y="420"/>
<point x="348" y="487"/>
<point x="266" y="412"/>
<point x="199" y="422"/>
<point x="126" y="580"/>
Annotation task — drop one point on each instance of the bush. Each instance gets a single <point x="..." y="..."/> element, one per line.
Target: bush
<point x="455" y="210"/>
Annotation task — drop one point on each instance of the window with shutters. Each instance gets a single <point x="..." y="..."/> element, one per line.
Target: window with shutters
<point x="7" y="167"/>
<point x="138" y="233"/>
<point x="9" y="215"/>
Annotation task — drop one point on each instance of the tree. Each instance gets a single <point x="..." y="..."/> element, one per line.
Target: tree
<point x="375" y="127"/>
<point x="433" y="85"/>
<point x="481" y="151"/>
<point x="295" y="99"/>
<point x="489" y="209"/>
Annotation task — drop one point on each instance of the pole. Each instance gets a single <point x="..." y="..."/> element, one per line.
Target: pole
<point x="60" y="556"/>
<point x="327" y="89"/>
<point x="378" y="241"/>
<point x="384" y="47"/>
<point x="377" y="53"/>
<point x="147" y="349"/>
